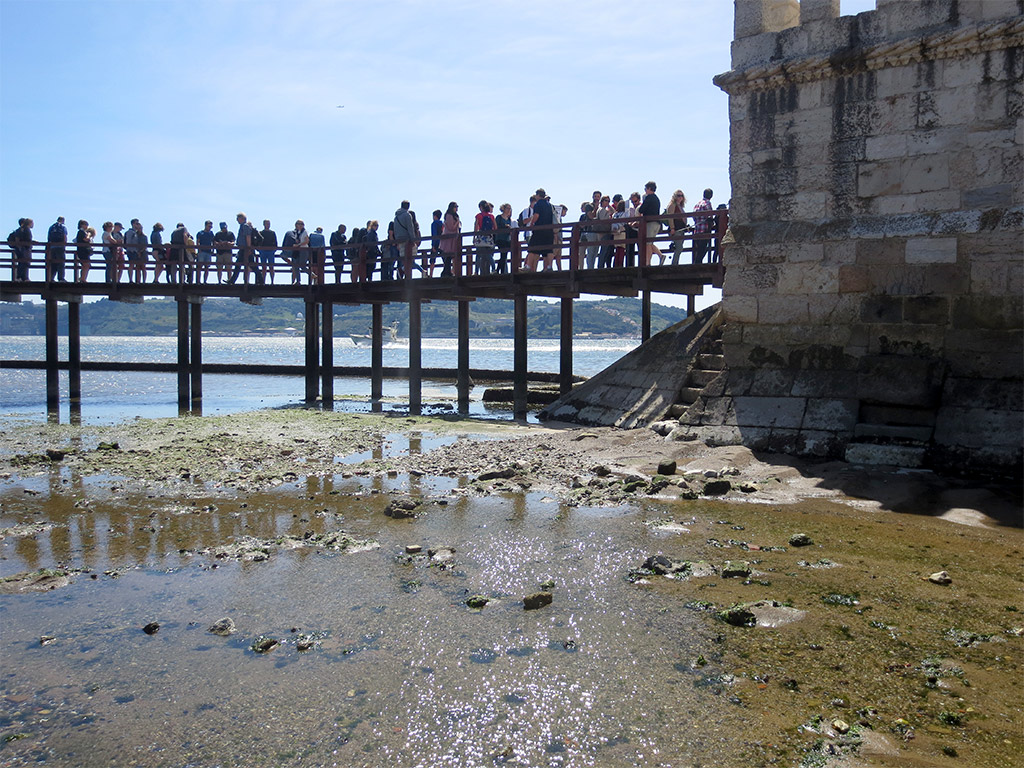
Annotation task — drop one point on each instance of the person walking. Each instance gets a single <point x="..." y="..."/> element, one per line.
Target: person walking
<point x="407" y="237"/>
<point x="56" y="251"/>
<point x="702" y="227"/>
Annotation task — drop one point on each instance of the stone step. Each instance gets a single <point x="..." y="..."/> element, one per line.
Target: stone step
<point x="700" y="378"/>
<point x="676" y="410"/>
<point x="710" y="362"/>
<point x="895" y="414"/>
<point x="910" y="456"/>
<point x="715" y="347"/>
<point x="688" y="395"/>
<point x="891" y="432"/>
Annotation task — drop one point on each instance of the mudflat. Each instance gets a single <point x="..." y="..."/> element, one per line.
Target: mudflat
<point x="444" y="591"/>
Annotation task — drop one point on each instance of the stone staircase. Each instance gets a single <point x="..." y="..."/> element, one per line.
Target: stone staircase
<point x="707" y="365"/>
<point x="892" y="434"/>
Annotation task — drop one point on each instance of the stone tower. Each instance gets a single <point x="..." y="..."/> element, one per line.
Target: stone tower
<point x="874" y="279"/>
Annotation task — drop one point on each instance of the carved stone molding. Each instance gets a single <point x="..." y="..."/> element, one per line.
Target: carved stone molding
<point x="960" y="42"/>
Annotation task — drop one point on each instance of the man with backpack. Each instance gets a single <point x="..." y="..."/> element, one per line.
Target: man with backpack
<point x="20" y="241"/>
<point x="56" y="240"/>
<point x="407" y="235"/>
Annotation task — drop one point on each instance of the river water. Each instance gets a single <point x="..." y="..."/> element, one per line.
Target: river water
<point x="112" y="396"/>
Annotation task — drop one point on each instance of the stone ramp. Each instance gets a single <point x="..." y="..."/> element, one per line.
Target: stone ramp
<point x="641" y="387"/>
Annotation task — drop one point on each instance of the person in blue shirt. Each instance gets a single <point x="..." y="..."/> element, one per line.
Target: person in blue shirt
<point x="205" y="241"/>
<point x="56" y="253"/>
<point x="436" y="227"/>
<point x="317" y="255"/>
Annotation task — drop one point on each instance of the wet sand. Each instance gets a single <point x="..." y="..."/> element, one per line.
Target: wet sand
<point x="286" y="522"/>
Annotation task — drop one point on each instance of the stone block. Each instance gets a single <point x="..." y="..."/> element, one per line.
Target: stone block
<point x="824" y="383"/>
<point x="778" y="310"/>
<point x="907" y="340"/>
<point x="820" y="444"/>
<point x="719" y="411"/>
<point x="996" y="313"/>
<point x="992" y="138"/>
<point x="993" y="246"/>
<point x="771" y="382"/>
<point x="806" y="252"/>
<point x="998" y="394"/>
<point x="925" y="173"/>
<point x="873" y="454"/>
<point x="783" y="440"/>
<point x="740" y="309"/>
<point x="833" y="309"/>
<point x="996" y="196"/>
<point x="831" y="414"/>
<point x="809" y="206"/>
<point x="752" y="279"/>
<point x="885" y="147"/>
<point x="879" y="178"/>
<point x="839" y="252"/>
<point x="771" y="412"/>
<point x="854" y="279"/>
<point x="931" y="250"/>
<point x="899" y="380"/>
<point x="881" y="309"/>
<point x="722" y="435"/>
<point x="818" y="10"/>
<point x="939" y="141"/>
<point x="808" y="279"/>
<point x="933" y="310"/>
<point x="883" y="251"/>
<point x="979" y="427"/>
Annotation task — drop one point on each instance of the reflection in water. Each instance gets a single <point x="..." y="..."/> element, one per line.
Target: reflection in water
<point x="403" y="672"/>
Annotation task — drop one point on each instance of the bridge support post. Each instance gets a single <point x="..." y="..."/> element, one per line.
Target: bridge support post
<point x="327" y="345"/>
<point x="74" y="353"/>
<point x="52" y="370"/>
<point x="312" y="368"/>
<point x="415" y="357"/>
<point x="183" y="366"/>
<point x="645" y="316"/>
<point x="565" y="348"/>
<point x="519" y="358"/>
<point x="691" y="305"/>
<point x="376" y="358"/>
<point x="196" y="367"/>
<point x="462" y="374"/>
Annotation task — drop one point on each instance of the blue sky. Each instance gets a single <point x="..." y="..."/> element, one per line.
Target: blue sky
<point x="168" y="110"/>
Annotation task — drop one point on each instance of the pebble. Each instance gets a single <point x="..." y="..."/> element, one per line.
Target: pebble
<point x="223" y="627"/>
<point x="537" y="600"/>
<point x="941" y="577"/>
<point x="800" y="540"/>
<point x="152" y="628"/>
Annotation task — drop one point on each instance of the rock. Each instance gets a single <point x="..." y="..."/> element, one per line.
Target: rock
<point x="771" y="614"/>
<point x="941" y="577"/>
<point x="735" y="569"/>
<point x="46" y="639"/>
<point x="717" y="487"/>
<point x="152" y="628"/>
<point x="497" y="474"/>
<point x="477" y="601"/>
<point x="264" y="644"/>
<point x="223" y="627"/>
<point x="748" y="487"/>
<point x="413" y="549"/>
<point x="402" y="507"/>
<point x="800" y="540"/>
<point x="667" y="467"/>
<point x="108" y="447"/>
<point x="54" y="455"/>
<point x="600" y="470"/>
<point x="304" y="642"/>
<point x="662" y="565"/>
<point x="840" y="726"/>
<point x="441" y="554"/>
<point x="710" y="474"/>
<point x="547" y="585"/>
<point x="664" y="428"/>
<point x="537" y="600"/>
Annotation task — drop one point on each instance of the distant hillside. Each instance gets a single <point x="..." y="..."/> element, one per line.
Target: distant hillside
<point x="489" y="318"/>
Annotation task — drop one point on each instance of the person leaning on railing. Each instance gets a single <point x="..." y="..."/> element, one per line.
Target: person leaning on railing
<point x="676" y="224"/>
<point x="83" y="249"/>
<point x="56" y="251"/>
<point x="702" y="227"/>
<point x="20" y="241"/>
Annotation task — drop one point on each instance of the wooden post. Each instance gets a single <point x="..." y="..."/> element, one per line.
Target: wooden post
<point x="196" y="331"/>
<point x="415" y="357"/>
<point x="565" y="348"/>
<point x="691" y="305"/>
<point x="183" y="369"/>
<point x="312" y="353"/>
<point x="327" y="345"/>
<point x="377" y="357"/>
<point x="74" y="352"/>
<point x="462" y="380"/>
<point x="645" y="316"/>
<point x="52" y="370"/>
<point x="519" y="358"/>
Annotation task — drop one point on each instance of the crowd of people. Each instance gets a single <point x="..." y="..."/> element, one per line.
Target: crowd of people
<point x="608" y="228"/>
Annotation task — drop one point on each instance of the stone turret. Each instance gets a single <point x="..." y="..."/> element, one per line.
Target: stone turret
<point x="874" y="274"/>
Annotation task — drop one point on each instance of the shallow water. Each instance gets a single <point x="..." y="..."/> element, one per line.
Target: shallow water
<point x="612" y="673"/>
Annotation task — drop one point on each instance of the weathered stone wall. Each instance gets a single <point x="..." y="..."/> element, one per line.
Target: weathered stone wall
<point x="875" y="274"/>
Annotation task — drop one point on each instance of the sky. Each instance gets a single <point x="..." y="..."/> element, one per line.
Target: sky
<point x="334" y="111"/>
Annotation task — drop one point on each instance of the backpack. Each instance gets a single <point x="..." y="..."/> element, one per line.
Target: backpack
<point x="255" y="238"/>
<point x="56" y="234"/>
<point x="487" y="223"/>
<point x="12" y="239"/>
<point x="289" y="239"/>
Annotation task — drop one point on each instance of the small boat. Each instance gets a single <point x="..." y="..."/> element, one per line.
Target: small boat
<point x="365" y="339"/>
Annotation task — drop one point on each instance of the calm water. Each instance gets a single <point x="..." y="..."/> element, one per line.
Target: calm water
<point x="109" y="397"/>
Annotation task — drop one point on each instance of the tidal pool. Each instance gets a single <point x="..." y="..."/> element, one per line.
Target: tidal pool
<point x="623" y="668"/>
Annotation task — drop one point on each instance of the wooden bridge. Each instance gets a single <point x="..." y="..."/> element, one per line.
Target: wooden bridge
<point x="320" y="281"/>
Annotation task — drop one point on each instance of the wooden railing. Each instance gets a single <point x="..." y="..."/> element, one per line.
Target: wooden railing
<point x="578" y="246"/>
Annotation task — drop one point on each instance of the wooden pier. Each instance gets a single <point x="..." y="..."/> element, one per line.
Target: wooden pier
<point x="348" y="281"/>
